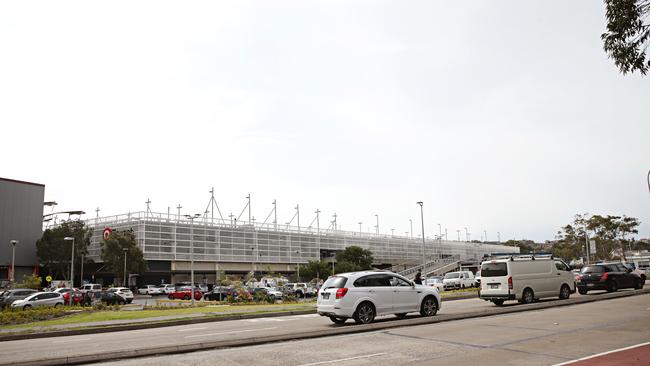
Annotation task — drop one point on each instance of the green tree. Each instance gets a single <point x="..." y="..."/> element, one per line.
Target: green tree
<point x="113" y="254"/>
<point x="525" y="246"/>
<point x="628" y="34"/>
<point x="357" y="256"/>
<point x="315" y="269"/>
<point x="342" y="267"/>
<point x="54" y="253"/>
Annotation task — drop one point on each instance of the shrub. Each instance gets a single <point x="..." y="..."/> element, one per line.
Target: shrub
<point x="19" y="316"/>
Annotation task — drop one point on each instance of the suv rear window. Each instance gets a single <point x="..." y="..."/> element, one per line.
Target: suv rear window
<point x="335" y="282"/>
<point x="494" y="269"/>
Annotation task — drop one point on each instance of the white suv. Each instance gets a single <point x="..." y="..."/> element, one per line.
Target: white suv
<point x="365" y="295"/>
<point x="123" y="292"/>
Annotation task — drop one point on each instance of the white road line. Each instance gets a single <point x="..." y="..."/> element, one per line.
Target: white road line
<point x="343" y="359"/>
<point x="72" y="340"/>
<point x="191" y="329"/>
<point x="602" y="354"/>
<point x="231" y="332"/>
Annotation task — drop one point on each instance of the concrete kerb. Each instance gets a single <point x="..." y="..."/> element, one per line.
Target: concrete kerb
<point x="167" y="323"/>
<point x="336" y="330"/>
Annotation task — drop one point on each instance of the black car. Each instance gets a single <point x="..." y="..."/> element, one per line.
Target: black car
<point x="609" y="276"/>
<point x="8" y="297"/>
<point x="112" y="298"/>
<point x="220" y="293"/>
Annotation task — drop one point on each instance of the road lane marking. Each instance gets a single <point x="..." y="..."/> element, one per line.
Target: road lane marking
<point x="343" y="359"/>
<point x="602" y="354"/>
<point x="191" y="329"/>
<point x="72" y="340"/>
<point x="231" y="332"/>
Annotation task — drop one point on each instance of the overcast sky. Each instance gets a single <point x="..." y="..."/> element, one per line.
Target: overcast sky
<point x="500" y="116"/>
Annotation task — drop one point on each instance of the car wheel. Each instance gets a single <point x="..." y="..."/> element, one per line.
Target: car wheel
<point x="565" y="292"/>
<point x="498" y="302"/>
<point x="365" y="313"/>
<point x="582" y="291"/>
<point x="186" y="297"/>
<point x="528" y="296"/>
<point x="401" y="315"/>
<point x="171" y="297"/>
<point x="640" y="284"/>
<point x="57" y="305"/>
<point x="121" y="302"/>
<point x="27" y="307"/>
<point x="612" y="286"/>
<point x="337" y="320"/>
<point x="429" y="306"/>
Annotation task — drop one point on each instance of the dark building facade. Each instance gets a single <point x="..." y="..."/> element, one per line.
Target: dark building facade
<point x="21" y="219"/>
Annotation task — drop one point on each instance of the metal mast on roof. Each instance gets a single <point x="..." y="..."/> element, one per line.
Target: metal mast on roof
<point x="298" y="214"/>
<point x="318" y="231"/>
<point x="275" y="221"/>
<point x="146" y="214"/>
<point x="247" y="205"/>
<point x="212" y="204"/>
<point x="179" y="212"/>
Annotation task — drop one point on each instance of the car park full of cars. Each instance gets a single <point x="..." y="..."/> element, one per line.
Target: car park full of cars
<point x="525" y="278"/>
<point x="39" y="299"/>
<point x="608" y="276"/>
<point x="150" y="290"/>
<point x="365" y="295"/>
<point x="269" y="291"/>
<point x="111" y="298"/>
<point x="220" y="293"/>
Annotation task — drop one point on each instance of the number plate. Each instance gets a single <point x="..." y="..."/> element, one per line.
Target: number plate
<point x="590" y="285"/>
<point x="326" y="295"/>
<point x="494" y="285"/>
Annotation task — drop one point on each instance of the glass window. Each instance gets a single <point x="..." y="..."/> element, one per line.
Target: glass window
<point x="494" y="269"/>
<point x="452" y="275"/>
<point x="397" y="281"/>
<point x="592" y="269"/>
<point x="561" y="266"/>
<point x="335" y="282"/>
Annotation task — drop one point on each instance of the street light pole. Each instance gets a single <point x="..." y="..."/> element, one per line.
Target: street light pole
<point x="298" y="266"/>
<point x="377" y="227"/>
<point x="411" y="232"/>
<point x="424" y="259"/>
<point x="360" y="227"/>
<point x="67" y="238"/>
<point x="192" y="217"/>
<point x="13" y="262"/>
<point x="466" y="234"/>
<point x="485" y="232"/>
<point x="125" y="250"/>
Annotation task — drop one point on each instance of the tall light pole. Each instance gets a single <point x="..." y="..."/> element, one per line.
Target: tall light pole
<point x="360" y="223"/>
<point x="298" y="266"/>
<point x="125" y="250"/>
<point x="68" y="238"/>
<point x="458" y="233"/>
<point x="498" y="237"/>
<point x="13" y="262"/>
<point x="318" y="231"/>
<point x="192" y="217"/>
<point x="440" y="233"/>
<point x="466" y="234"/>
<point x="411" y="232"/>
<point x="424" y="259"/>
<point x="377" y="226"/>
<point x="81" y="276"/>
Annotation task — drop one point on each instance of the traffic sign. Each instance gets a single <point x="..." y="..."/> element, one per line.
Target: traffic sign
<point x="592" y="246"/>
<point x="48" y="278"/>
<point x="106" y="233"/>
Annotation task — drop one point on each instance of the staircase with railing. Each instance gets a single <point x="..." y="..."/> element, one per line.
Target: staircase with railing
<point x="433" y="267"/>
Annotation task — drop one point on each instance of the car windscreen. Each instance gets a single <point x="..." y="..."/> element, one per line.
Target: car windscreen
<point x="452" y="275"/>
<point x="593" y="269"/>
<point x="494" y="269"/>
<point x="335" y="282"/>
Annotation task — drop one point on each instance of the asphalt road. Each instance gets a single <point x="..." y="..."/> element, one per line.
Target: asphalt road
<point x="543" y="337"/>
<point x="35" y="349"/>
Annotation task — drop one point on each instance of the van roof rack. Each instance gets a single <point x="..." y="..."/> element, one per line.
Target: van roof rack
<point x="513" y="256"/>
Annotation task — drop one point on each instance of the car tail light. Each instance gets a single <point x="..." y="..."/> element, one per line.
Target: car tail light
<point x="579" y="277"/>
<point x="510" y="287"/>
<point x="604" y="276"/>
<point x="341" y="292"/>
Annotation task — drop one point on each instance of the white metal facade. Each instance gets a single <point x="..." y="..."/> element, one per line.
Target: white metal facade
<point x="167" y="237"/>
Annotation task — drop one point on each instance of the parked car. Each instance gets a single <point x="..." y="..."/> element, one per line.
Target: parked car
<point x="525" y="278"/>
<point x="185" y="293"/>
<point x="457" y="280"/>
<point x="477" y="279"/>
<point x="608" y="276"/>
<point x="90" y="287"/>
<point x="77" y="296"/>
<point x="203" y="288"/>
<point x="639" y="271"/>
<point x="150" y="290"/>
<point x="300" y="289"/>
<point x="9" y="296"/>
<point x="435" y="282"/>
<point x="111" y="298"/>
<point x="39" y="299"/>
<point x="166" y="288"/>
<point x="269" y="291"/>
<point x="367" y="294"/>
<point x="124" y="292"/>
<point x="220" y="293"/>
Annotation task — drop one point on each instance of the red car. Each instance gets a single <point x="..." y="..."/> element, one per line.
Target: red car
<point x="77" y="298"/>
<point x="184" y="293"/>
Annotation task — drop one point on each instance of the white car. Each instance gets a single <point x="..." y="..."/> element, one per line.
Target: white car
<point x="166" y="288"/>
<point x="525" y="278"/>
<point x="123" y="292"/>
<point x="435" y="283"/>
<point x="39" y="299"/>
<point x="367" y="294"/>
<point x="458" y="280"/>
<point x="150" y="290"/>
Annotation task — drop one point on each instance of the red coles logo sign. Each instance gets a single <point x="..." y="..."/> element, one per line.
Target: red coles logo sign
<point x="106" y="233"/>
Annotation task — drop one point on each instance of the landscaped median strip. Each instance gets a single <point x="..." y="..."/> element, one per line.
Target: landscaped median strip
<point x="340" y="330"/>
